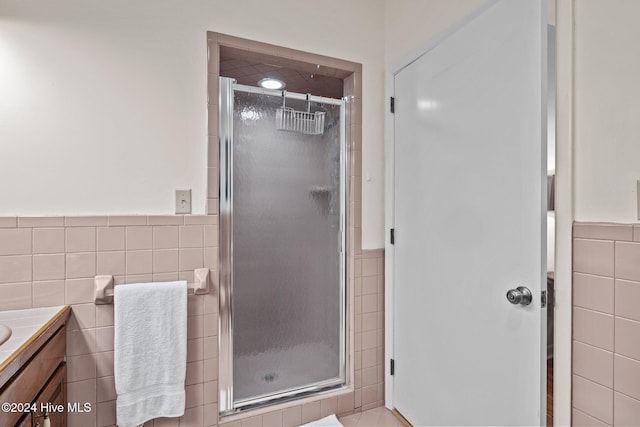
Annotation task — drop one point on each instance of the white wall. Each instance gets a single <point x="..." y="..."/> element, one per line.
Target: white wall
<point x="103" y="104"/>
<point x="607" y="111"/>
<point x="409" y="24"/>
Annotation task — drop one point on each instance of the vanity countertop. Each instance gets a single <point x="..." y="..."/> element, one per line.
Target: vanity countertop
<point x="30" y="329"/>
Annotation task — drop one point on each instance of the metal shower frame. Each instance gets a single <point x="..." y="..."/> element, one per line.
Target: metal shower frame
<point x="227" y="406"/>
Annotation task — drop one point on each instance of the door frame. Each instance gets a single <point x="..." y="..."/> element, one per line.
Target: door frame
<point x="562" y="350"/>
<point x="564" y="213"/>
<point x="220" y="46"/>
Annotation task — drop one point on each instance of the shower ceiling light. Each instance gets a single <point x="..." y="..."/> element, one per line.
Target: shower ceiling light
<point x="271" y="83"/>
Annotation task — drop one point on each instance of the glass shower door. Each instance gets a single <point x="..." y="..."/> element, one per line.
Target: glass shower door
<point x="284" y="220"/>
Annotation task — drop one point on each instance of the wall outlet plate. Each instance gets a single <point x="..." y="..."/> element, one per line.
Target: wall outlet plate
<point x="183" y="201"/>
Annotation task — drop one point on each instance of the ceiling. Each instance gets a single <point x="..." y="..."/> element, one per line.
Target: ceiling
<point x="248" y="71"/>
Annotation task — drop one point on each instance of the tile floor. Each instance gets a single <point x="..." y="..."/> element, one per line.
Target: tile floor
<point x="377" y="417"/>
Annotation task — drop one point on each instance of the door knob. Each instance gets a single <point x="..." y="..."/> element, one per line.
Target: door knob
<point x="520" y="295"/>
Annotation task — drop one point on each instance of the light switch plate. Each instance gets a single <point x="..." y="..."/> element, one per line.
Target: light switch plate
<point x="183" y="201"/>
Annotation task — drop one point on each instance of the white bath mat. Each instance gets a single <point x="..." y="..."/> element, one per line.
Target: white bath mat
<point x="330" y="421"/>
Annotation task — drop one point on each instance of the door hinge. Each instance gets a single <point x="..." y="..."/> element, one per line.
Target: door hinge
<point x="392" y="367"/>
<point x="392" y="104"/>
<point x="543" y="299"/>
<point x="392" y="237"/>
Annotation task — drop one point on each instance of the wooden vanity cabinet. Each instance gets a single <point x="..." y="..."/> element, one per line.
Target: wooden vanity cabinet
<point x="55" y="393"/>
<point x="39" y="377"/>
<point x="27" y="421"/>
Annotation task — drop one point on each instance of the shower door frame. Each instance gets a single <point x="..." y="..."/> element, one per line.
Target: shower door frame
<point x="227" y="87"/>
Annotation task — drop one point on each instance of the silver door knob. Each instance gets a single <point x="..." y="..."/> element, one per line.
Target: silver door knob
<point x="520" y="295"/>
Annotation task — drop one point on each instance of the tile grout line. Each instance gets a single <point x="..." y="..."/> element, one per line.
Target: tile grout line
<point x="594" y="310"/>
<point x="33" y="302"/>
<point x="593" y="381"/>
<point x="588" y="413"/>
<point x="591" y="274"/>
<point x="627" y="396"/>
<point x="613" y="381"/>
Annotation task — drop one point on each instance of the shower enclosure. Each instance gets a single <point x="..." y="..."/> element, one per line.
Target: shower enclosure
<point x="282" y="245"/>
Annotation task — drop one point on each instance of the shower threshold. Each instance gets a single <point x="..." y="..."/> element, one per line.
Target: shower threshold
<point x="286" y="396"/>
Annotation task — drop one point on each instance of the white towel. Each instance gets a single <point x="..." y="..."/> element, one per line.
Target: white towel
<point x="150" y="358"/>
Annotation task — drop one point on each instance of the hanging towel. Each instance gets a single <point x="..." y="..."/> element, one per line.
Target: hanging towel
<point x="150" y="358"/>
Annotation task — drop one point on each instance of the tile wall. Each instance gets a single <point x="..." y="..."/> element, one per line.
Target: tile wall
<point x="606" y="324"/>
<point x="52" y="261"/>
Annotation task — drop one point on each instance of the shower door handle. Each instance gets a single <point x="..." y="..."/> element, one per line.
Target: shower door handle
<point x="520" y="295"/>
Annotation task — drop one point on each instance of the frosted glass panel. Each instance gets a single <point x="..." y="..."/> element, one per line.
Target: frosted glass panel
<point x="286" y="254"/>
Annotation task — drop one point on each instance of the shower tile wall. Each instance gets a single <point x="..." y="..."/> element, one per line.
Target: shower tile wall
<point x="52" y="261"/>
<point x="606" y="324"/>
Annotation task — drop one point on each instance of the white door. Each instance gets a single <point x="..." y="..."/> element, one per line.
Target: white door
<point x="470" y="223"/>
